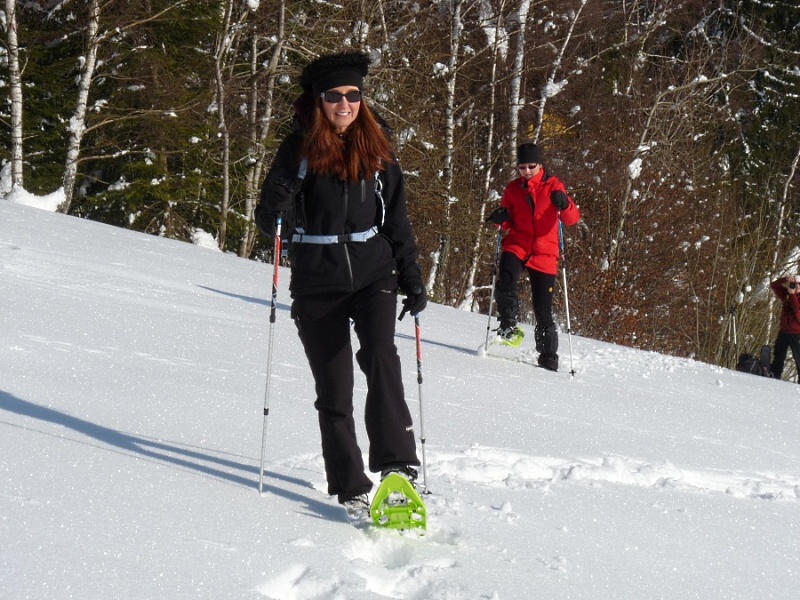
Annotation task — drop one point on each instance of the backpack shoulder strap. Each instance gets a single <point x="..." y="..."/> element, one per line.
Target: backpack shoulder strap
<point x="300" y="203"/>
<point x="379" y="197"/>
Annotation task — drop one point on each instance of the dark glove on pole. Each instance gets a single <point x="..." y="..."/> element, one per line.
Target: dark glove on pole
<point x="498" y="216"/>
<point x="559" y="199"/>
<point x="416" y="297"/>
<point x="282" y="192"/>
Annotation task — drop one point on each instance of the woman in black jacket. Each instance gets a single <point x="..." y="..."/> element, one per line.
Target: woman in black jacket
<point x="352" y="245"/>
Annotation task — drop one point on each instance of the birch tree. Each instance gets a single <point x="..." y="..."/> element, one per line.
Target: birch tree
<point x="259" y="120"/>
<point x="77" y="123"/>
<point x="94" y="40"/>
<point x="657" y="131"/>
<point x="438" y="270"/>
<point x="551" y="88"/>
<point x="516" y="75"/>
<point x="499" y="41"/>
<point x="15" y="91"/>
<point x="226" y="38"/>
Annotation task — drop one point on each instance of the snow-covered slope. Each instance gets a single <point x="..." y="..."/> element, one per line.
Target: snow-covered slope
<point x="132" y="375"/>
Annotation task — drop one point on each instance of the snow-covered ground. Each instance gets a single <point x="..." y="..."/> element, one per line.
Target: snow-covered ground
<point x="132" y="377"/>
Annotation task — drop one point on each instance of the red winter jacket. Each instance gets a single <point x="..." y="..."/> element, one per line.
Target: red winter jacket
<point x="790" y="314"/>
<point x="533" y="228"/>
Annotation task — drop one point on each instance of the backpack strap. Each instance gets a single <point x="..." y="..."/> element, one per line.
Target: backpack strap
<point x="300" y="199"/>
<point x="361" y="236"/>
<point x="300" y="236"/>
<point x="379" y="197"/>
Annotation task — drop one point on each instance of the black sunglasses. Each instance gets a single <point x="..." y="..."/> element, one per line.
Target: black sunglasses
<point x="336" y="97"/>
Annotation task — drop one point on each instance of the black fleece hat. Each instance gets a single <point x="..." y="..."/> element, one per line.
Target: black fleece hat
<point x="335" y="70"/>
<point x="528" y="154"/>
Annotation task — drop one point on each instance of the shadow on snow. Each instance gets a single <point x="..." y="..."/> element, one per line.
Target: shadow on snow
<point x="185" y="457"/>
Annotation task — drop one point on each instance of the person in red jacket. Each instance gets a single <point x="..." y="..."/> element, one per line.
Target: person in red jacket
<point x="787" y="289"/>
<point x="529" y="213"/>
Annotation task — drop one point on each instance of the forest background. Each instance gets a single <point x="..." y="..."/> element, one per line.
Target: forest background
<point x="673" y="123"/>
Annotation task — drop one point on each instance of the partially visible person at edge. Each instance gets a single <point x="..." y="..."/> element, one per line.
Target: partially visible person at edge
<point x="352" y="246"/>
<point x="529" y="212"/>
<point x="787" y="289"/>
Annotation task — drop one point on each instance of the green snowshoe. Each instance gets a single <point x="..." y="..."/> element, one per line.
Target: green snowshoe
<point x="397" y="505"/>
<point x="510" y="337"/>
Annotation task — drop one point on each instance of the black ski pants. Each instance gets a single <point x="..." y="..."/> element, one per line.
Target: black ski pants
<point x="542" y="290"/>
<point x="783" y="342"/>
<point x="323" y="324"/>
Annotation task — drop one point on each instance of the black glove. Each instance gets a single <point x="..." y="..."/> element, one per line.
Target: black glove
<point x="498" y="216"/>
<point x="559" y="199"/>
<point x="264" y="220"/>
<point x="416" y="297"/>
<point x="282" y="190"/>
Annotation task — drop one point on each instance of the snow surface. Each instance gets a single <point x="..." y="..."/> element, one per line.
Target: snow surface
<point x="132" y="377"/>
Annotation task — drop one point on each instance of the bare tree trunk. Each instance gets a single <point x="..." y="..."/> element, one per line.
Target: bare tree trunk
<point x="634" y="167"/>
<point x="259" y="128"/>
<point x="550" y="88"/>
<point x="382" y="19"/>
<point x="15" y="91"/>
<point x="642" y="30"/>
<point x="254" y="152"/>
<point x="77" y="124"/>
<point x="472" y="270"/>
<point x="516" y="76"/>
<point x="225" y="40"/>
<point x="439" y="269"/>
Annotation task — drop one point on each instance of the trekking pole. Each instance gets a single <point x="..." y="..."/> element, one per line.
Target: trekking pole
<point x="421" y="419"/>
<point x="732" y="349"/>
<point x="276" y="259"/>
<point x="566" y="294"/>
<point x="494" y="281"/>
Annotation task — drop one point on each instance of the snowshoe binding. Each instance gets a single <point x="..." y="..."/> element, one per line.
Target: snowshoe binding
<point x="510" y="336"/>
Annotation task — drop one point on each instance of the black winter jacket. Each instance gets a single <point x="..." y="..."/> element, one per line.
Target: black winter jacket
<point x="329" y="206"/>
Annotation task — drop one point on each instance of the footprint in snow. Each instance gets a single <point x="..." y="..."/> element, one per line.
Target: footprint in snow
<point x="382" y="550"/>
<point x="398" y="567"/>
<point x="556" y="563"/>
<point x="298" y="583"/>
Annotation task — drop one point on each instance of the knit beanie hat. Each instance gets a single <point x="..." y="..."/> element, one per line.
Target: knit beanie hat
<point x="335" y="70"/>
<point x="529" y="154"/>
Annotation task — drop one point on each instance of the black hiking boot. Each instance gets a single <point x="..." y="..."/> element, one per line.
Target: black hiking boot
<point x="549" y="361"/>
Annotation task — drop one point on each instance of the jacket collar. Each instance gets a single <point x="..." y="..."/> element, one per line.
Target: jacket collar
<point x="536" y="179"/>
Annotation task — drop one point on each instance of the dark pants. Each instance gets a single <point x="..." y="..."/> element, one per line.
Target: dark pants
<point x="542" y="289"/>
<point x="783" y="342"/>
<point x="323" y="324"/>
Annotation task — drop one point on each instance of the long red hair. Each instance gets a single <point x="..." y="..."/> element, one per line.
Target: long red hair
<point x="356" y="154"/>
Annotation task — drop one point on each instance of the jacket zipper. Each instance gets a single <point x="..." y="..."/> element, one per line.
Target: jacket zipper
<point x="532" y="204"/>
